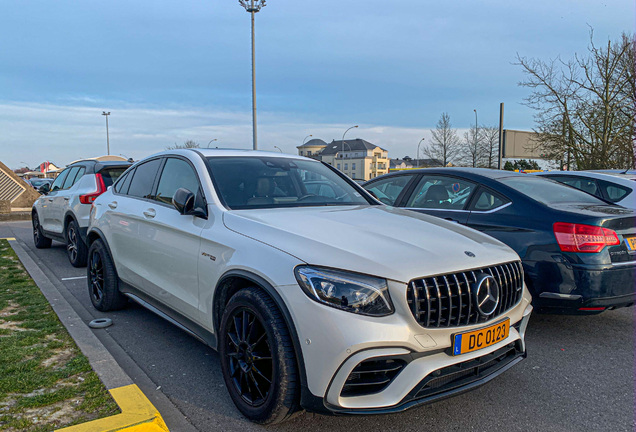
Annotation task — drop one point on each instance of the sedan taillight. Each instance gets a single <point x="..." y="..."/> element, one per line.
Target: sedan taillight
<point x="101" y="188"/>
<point x="583" y="238"/>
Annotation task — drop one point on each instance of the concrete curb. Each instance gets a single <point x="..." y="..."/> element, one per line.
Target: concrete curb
<point x="138" y="413"/>
<point x="15" y="216"/>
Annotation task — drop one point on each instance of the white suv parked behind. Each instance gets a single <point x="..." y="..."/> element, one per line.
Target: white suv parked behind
<point x="61" y="213"/>
<point x="328" y="303"/>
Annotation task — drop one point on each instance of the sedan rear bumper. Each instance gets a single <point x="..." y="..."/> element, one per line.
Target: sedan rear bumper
<point x="592" y="289"/>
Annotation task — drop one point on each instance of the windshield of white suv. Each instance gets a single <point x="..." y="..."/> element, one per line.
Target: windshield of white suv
<point x="548" y="191"/>
<point x="267" y="182"/>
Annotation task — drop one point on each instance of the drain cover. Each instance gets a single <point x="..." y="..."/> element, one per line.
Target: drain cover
<point x="100" y="323"/>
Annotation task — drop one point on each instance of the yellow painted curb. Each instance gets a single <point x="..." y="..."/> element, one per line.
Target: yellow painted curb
<point x="138" y="414"/>
<point x="8" y="238"/>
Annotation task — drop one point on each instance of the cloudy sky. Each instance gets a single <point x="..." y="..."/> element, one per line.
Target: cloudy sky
<point x="173" y="71"/>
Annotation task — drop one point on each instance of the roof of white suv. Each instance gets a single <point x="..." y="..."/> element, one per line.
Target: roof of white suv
<point x="225" y="152"/>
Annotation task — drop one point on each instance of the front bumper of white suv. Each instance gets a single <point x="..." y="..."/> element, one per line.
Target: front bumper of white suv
<point x="357" y="364"/>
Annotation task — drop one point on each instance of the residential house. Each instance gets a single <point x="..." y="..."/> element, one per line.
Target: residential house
<point x="357" y="158"/>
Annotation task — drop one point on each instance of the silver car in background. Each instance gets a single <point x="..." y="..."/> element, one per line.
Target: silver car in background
<point x="615" y="188"/>
<point x="315" y="295"/>
<point x="61" y="213"/>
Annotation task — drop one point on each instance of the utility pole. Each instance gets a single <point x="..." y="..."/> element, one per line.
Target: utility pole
<point x="253" y="6"/>
<point x="106" y="114"/>
<point x="501" y="134"/>
<point x="476" y="131"/>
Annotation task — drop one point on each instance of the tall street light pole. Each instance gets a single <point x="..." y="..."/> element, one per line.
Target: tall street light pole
<point x="305" y="140"/>
<point x="253" y="6"/>
<point x="276" y="147"/>
<point x="106" y="114"/>
<point x="418" y="152"/>
<point x="476" y="129"/>
<point x="343" y="135"/>
<point x="211" y="141"/>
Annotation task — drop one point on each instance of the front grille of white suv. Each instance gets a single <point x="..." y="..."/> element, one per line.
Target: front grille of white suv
<point x="447" y="300"/>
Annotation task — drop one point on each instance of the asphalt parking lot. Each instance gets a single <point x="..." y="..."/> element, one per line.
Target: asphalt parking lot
<point x="579" y="374"/>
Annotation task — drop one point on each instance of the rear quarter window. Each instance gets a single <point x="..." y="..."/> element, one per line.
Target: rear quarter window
<point x="614" y="192"/>
<point x="144" y="178"/>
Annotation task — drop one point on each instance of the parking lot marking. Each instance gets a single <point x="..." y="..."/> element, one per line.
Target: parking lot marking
<point x="8" y="238"/>
<point x="73" y="278"/>
<point x="137" y="415"/>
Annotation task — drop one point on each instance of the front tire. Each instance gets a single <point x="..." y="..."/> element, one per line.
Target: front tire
<point x="103" y="282"/>
<point x="40" y="241"/>
<point x="75" y="246"/>
<point x="257" y="358"/>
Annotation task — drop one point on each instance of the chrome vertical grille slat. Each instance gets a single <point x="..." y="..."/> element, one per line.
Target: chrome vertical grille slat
<point x="447" y="300"/>
<point x="439" y="302"/>
<point x="470" y="311"/>
<point x="428" y="303"/>
<point x="459" y="297"/>
<point x="450" y="302"/>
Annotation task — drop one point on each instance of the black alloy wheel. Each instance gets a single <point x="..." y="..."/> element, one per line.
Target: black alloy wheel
<point x="75" y="246"/>
<point x="96" y="278"/>
<point x="103" y="282"/>
<point x="258" y="358"/>
<point x="40" y="241"/>
<point x="250" y="357"/>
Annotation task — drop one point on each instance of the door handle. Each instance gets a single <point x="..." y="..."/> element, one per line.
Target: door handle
<point x="113" y="205"/>
<point x="150" y="213"/>
<point x="50" y="199"/>
<point x="66" y="198"/>
<point x="452" y="220"/>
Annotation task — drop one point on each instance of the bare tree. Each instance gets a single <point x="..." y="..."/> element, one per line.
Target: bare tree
<point x="186" y="145"/>
<point x="445" y="144"/>
<point x="585" y="107"/>
<point x="473" y="151"/>
<point x="490" y="142"/>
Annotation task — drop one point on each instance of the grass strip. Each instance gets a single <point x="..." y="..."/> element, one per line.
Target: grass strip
<point x="45" y="381"/>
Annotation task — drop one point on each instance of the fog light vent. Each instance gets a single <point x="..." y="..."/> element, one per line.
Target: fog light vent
<point x="371" y="376"/>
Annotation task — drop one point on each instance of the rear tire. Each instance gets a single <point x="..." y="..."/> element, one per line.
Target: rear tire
<point x="257" y="358"/>
<point x="75" y="246"/>
<point x="40" y="241"/>
<point x="103" y="282"/>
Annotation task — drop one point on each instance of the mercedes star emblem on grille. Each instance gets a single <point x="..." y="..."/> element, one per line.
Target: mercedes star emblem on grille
<point x="485" y="294"/>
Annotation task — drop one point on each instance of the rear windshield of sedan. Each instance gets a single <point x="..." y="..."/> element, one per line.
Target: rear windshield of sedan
<point x="549" y="191"/>
<point x="269" y="182"/>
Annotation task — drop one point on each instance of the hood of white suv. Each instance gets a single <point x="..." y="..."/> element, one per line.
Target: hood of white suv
<point x="376" y="240"/>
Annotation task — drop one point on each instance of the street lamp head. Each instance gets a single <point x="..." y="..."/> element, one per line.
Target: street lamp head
<point x="104" y="113"/>
<point x="252" y="5"/>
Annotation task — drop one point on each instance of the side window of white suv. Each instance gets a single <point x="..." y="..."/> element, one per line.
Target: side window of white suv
<point x="59" y="180"/>
<point x="176" y="174"/>
<point x="143" y="179"/>
<point x="70" y="178"/>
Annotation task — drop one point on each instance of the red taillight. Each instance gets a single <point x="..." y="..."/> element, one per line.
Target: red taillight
<point x="592" y="309"/>
<point x="101" y="188"/>
<point x="583" y="238"/>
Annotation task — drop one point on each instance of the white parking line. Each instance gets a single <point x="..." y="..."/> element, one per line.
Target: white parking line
<point x="73" y="278"/>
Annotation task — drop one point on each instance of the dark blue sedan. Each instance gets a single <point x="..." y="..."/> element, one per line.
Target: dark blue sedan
<point x="578" y="252"/>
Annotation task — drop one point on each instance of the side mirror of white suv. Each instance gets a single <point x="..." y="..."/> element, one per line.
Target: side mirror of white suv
<point x="184" y="201"/>
<point x="44" y="189"/>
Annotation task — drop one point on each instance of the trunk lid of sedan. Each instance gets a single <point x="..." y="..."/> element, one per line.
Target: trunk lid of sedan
<point x="618" y="219"/>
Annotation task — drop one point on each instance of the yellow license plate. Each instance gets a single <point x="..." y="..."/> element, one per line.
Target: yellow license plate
<point x="477" y="339"/>
<point x="631" y="243"/>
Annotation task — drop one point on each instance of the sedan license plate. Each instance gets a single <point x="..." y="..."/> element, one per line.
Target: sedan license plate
<point x="631" y="243"/>
<point x="477" y="339"/>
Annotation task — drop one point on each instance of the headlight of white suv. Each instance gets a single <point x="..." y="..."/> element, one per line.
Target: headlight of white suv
<point x="352" y="292"/>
